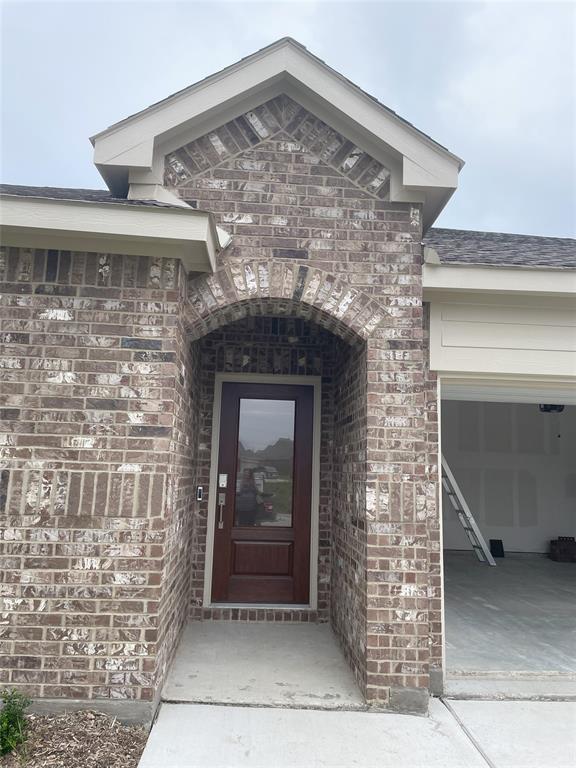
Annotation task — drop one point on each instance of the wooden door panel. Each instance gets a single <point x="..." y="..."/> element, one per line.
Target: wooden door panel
<point x="262" y="533"/>
<point x="263" y="558"/>
<point x="270" y="590"/>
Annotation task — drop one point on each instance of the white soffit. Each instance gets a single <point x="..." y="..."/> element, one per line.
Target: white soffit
<point x="136" y="230"/>
<point x="426" y="171"/>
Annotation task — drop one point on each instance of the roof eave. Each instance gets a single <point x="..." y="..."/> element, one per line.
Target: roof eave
<point x="282" y="43"/>
<point x="439" y="278"/>
<point x="109" y="227"/>
<point x="131" y="143"/>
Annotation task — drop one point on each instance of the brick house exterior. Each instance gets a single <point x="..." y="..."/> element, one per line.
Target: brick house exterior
<point x="109" y="366"/>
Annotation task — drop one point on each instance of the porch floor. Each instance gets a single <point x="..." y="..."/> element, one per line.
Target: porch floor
<point x="515" y="620"/>
<point x="274" y="665"/>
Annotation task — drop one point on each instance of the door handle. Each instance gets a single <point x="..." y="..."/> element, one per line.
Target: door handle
<point x="221" y="503"/>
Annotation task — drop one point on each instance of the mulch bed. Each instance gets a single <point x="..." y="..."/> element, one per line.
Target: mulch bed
<point x="78" y="740"/>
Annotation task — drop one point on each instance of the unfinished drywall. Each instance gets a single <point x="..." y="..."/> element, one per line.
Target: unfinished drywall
<point x="517" y="469"/>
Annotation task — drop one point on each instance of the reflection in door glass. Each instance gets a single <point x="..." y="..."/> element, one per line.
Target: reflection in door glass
<point x="264" y="475"/>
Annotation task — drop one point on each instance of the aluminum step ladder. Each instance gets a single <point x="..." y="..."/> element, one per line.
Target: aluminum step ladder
<point x="465" y="516"/>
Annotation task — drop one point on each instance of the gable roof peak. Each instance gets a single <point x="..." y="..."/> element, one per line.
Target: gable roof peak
<point x="423" y="171"/>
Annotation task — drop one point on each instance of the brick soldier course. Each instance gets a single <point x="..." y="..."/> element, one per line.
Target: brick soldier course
<point x="108" y="370"/>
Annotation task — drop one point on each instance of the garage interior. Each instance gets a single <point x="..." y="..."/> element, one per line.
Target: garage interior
<point x="515" y="464"/>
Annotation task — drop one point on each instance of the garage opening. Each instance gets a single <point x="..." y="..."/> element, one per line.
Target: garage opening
<point x="515" y="463"/>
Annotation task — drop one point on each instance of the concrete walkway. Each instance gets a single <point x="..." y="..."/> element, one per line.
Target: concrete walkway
<point x="461" y="734"/>
<point x="282" y="696"/>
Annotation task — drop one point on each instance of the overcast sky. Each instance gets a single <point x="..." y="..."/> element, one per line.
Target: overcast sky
<point x="494" y="82"/>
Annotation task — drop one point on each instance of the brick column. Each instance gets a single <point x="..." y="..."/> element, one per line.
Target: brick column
<point x="402" y="519"/>
<point x="397" y="551"/>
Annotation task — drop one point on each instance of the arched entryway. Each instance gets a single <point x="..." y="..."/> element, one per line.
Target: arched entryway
<point x="372" y="510"/>
<point x="276" y="325"/>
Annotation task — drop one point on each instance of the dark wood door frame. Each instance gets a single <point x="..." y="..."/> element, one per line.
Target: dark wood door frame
<point x="305" y="392"/>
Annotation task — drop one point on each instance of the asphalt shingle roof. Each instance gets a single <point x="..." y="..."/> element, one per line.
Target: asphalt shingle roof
<point x="83" y="195"/>
<point x="454" y="246"/>
<point x="462" y="246"/>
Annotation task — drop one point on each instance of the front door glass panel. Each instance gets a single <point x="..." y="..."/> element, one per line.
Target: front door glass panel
<point x="265" y="463"/>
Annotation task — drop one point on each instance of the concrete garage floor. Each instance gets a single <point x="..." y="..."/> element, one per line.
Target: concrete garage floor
<point x="517" y="619"/>
<point x="275" y="665"/>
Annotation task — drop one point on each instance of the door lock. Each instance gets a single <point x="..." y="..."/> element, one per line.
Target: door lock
<point x="221" y="503"/>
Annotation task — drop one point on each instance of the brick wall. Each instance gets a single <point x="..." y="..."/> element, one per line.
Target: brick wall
<point x="92" y="497"/>
<point x="349" y="565"/>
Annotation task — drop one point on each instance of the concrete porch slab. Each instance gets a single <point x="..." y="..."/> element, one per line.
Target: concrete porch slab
<point x="273" y="665"/>
<point x="196" y="736"/>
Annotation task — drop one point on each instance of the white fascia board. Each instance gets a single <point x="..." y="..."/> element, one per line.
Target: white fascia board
<point x="181" y="108"/>
<point x="137" y="156"/>
<point x="435" y="174"/>
<point x="366" y="111"/>
<point x="543" y="281"/>
<point x="34" y="222"/>
<point x="288" y="61"/>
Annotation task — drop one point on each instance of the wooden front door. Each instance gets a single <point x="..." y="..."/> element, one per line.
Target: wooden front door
<point x="264" y="488"/>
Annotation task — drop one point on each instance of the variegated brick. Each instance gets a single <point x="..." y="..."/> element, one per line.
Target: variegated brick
<point x="108" y="380"/>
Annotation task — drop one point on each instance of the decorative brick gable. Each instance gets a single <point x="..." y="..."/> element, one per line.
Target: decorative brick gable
<point x="300" y="130"/>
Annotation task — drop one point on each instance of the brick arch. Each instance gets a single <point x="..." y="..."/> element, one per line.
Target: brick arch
<point x="280" y="288"/>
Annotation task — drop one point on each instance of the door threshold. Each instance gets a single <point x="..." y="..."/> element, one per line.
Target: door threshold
<point x="266" y="606"/>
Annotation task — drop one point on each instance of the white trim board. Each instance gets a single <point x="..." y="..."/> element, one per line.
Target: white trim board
<point x="459" y="282"/>
<point x="440" y="496"/>
<point x="136" y="230"/>
<point x="315" y="382"/>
